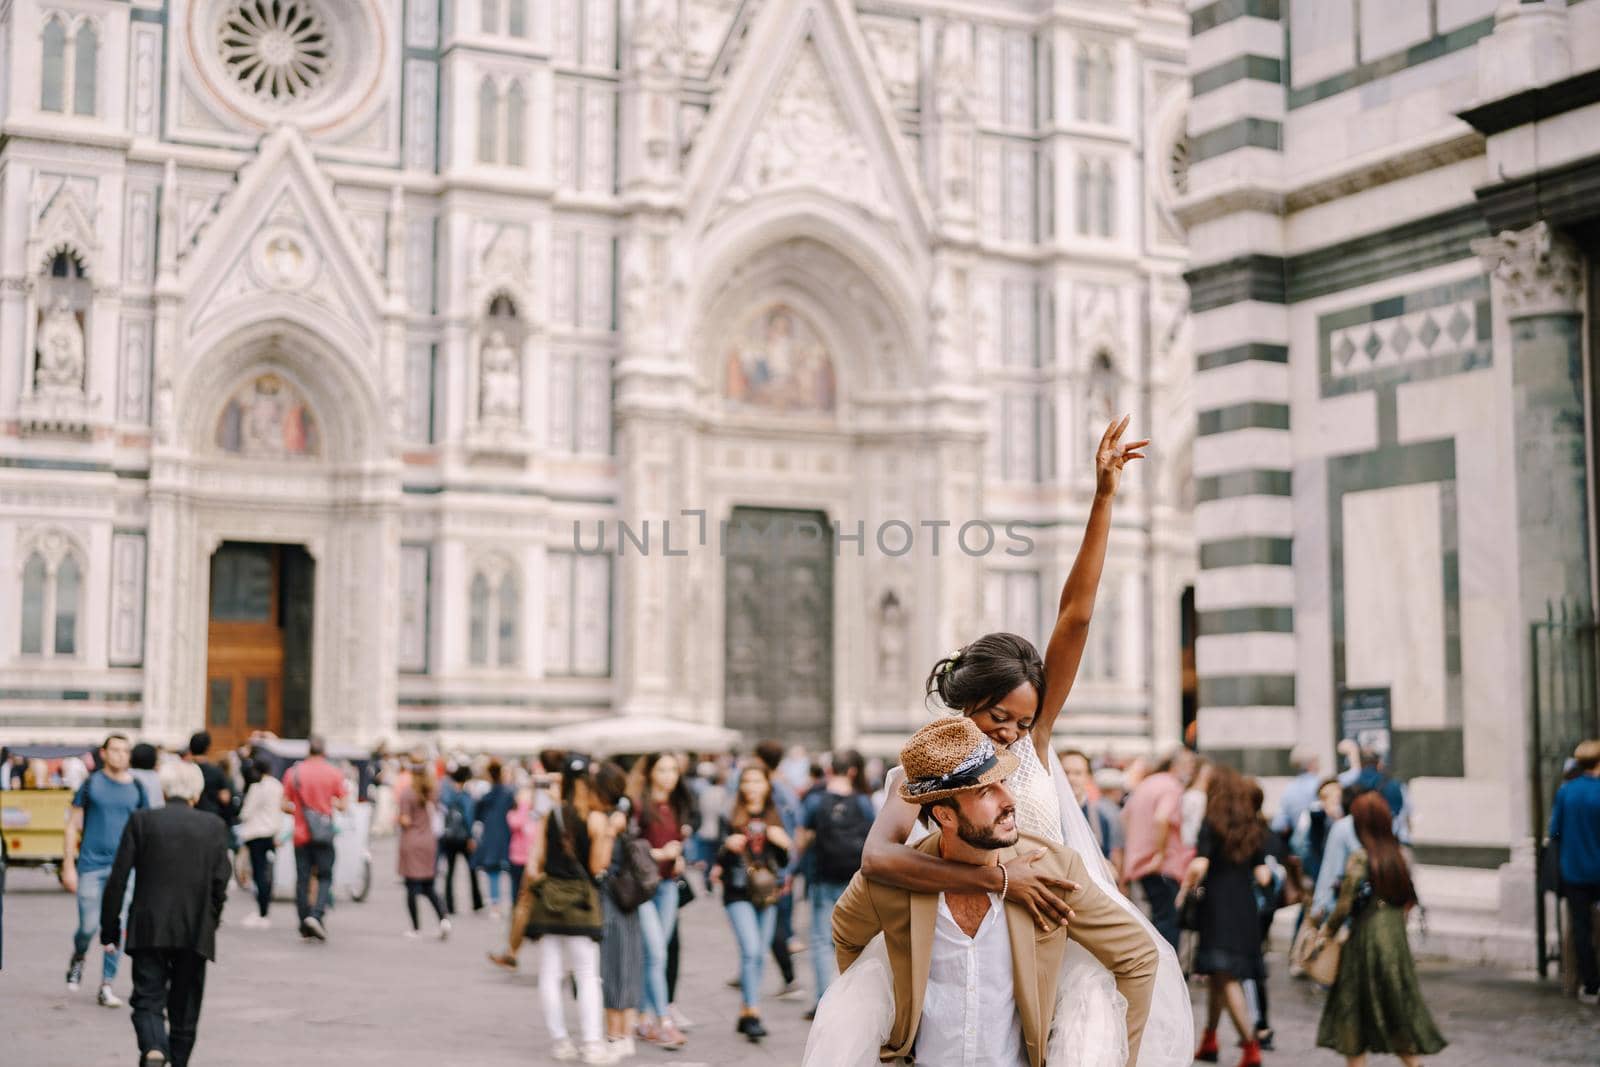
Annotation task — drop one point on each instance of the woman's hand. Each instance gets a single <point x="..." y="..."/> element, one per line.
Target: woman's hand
<point x="1112" y="455"/>
<point x="1039" y="891"/>
<point x="736" y="843"/>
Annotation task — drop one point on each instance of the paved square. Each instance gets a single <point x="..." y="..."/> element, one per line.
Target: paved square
<point x="371" y="995"/>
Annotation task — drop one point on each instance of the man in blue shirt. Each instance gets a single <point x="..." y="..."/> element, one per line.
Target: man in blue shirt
<point x="1575" y="826"/>
<point x="1342" y="842"/>
<point x="834" y="823"/>
<point x="1299" y="794"/>
<point x="100" y="811"/>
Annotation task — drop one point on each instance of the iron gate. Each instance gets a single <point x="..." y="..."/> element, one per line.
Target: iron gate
<point x="1563" y="711"/>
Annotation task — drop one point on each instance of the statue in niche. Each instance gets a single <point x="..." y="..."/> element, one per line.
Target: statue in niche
<point x="500" y="380"/>
<point x="1101" y="403"/>
<point x="60" y="366"/>
<point x="265" y="419"/>
<point x="777" y="362"/>
<point x="891" y="639"/>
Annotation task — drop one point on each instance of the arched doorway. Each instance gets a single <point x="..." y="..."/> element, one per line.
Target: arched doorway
<point x="809" y="405"/>
<point x="275" y="547"/>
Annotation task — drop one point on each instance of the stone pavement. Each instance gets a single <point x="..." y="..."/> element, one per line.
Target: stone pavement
<point x="368" y="992"/>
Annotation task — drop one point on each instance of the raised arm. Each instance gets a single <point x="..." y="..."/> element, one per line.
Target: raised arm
<point x="888" y="859"/>
<point x="1064" y="653"/>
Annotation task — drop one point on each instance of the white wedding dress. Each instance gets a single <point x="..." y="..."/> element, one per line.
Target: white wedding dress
<point x="1090" y="1026"/>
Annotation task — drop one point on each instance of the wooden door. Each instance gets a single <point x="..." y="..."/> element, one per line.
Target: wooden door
<point x="244" y="653"/>
<point x="778" y="665"/>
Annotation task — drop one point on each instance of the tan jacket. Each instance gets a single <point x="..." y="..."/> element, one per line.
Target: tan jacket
<point x="906" y="920"/>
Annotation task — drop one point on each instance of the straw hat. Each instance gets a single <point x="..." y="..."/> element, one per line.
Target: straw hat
<point x="950" y="756"/>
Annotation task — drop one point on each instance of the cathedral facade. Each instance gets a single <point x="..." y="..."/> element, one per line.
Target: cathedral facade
<point x="408" y="371"/>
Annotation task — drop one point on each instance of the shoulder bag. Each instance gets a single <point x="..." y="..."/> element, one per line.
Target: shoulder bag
<point x="319" y="824"/>
<point x="564" y="905"/>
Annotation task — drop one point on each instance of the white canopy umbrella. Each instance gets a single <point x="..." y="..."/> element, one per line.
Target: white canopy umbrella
<point x="633" y="734"/>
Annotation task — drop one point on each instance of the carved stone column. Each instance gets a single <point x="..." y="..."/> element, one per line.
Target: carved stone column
<point x="1538" y="286"/>
<point x="1538" y="282"/>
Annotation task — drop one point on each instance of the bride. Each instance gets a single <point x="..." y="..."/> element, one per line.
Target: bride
<point x="1000" y="683"/>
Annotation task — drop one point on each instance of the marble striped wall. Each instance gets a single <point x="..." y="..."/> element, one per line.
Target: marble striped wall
<point x="1245" y="647"/>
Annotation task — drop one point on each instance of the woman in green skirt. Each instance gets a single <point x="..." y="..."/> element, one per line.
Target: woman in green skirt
<point x="1375" y="1004"/>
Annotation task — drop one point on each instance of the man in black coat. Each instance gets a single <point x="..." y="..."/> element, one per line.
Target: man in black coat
<point x="178" y="858"/>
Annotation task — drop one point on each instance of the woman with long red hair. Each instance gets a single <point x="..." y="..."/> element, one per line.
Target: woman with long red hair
<point x="1375" y="1004"/>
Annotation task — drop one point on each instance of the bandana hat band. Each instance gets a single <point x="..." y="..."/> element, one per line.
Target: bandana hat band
<point x="965" y="775"/>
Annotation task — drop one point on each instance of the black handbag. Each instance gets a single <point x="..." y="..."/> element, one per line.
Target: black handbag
<point x="686" y="893"/>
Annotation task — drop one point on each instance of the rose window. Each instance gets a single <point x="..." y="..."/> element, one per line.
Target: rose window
<point x="279" y="51"/>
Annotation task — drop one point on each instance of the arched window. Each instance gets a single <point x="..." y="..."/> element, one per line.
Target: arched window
<point x="478" y="643"/>
<point x="488" y="122"/>
<point x="86" y="56"/>
<point x="52" y="584"/>
<point x="53" y="87"/>
<point x="491" y="16"/>
<point x="510" y="619"/>
<point x="1106" y="209"/>
<point x="516" y="120"/>
<point x="517" y="18"/>
<point x="495" y="616"/>
<point x="34" y="576"/>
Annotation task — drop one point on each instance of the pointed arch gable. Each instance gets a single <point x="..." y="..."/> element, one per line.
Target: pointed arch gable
<point x="281" y="185"/>
<point x="830" y="29"/>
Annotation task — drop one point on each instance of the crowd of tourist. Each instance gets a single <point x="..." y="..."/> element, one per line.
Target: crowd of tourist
<point x="593" y="860"/>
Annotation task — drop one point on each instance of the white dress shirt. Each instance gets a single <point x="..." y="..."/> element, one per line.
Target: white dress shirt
<point x="969" y="1010"/>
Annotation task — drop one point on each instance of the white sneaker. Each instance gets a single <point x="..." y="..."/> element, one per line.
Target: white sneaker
<point x="605" y="1052"/>
<point x="683" y="1022"/>
<point x="1588" y="998"/>
<point x="411" y="935"/>
<point x="444" y="929"/>
<point x="564" y="1050"/>
<point x="621" y="1048"/>
<point x="255" y="922"/>
<point x="108" y="998"/>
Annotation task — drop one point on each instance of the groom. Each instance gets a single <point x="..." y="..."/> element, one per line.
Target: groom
<point x="973" y="976"/>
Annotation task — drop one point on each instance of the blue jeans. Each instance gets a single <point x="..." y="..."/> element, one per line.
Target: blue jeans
<point x="309" y="859"/>
<point x="492" y="876"/>
<point x="657" y="918"/>
<point x="91" y="890"/>
<point x="823" y="896"/>
<point x="753" y="929"/>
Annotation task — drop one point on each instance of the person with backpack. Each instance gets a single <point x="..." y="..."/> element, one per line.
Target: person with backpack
<point x="101" y="809"/>
<point x="665" y="810"/>
<point x="312" y="791"/>
<point x="455" y="838"/>
<point x="834" y="823"/>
